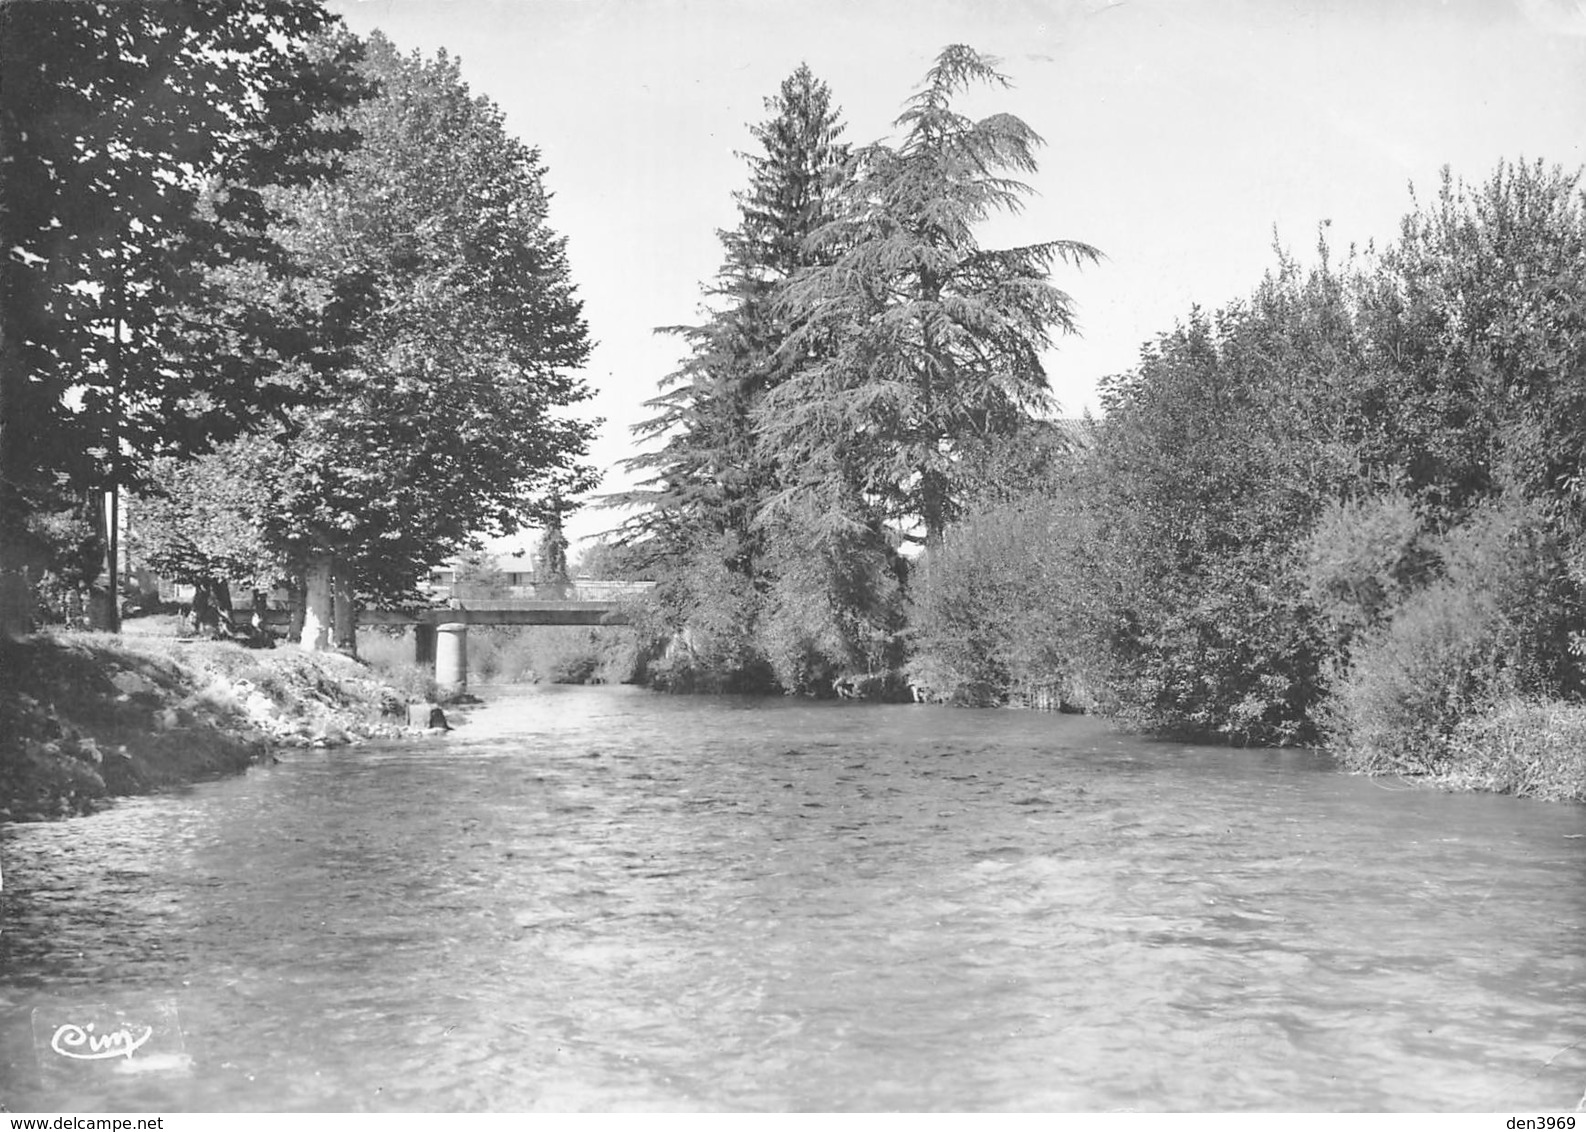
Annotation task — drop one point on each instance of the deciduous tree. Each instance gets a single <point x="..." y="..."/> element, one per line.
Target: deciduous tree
<point x="1477" y="317"/>
<point x="445" y="424"/>
<point x="139" y="140"/>
<point x="1216" y="456"/>
<point x="205" y="525"/>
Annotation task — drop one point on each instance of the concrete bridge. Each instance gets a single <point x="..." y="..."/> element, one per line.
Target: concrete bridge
<point x="440" y="636"/>
<point x="504" y="611"/>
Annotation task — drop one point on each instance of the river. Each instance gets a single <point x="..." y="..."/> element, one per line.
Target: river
<point x="606" y="899"/>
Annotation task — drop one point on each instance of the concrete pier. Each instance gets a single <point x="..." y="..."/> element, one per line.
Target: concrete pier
<point x="451" y="655"/>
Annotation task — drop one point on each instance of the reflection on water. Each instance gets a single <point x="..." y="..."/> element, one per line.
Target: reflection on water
<point x="598" y="898"/>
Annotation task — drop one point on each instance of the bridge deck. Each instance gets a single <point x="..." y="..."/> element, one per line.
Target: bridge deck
<point x="495" y="611"/>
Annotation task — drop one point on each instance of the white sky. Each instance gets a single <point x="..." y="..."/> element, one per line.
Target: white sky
<point x="1179" y="134"/>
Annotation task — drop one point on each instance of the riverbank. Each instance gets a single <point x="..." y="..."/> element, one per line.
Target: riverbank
<point x="85" y="717"/>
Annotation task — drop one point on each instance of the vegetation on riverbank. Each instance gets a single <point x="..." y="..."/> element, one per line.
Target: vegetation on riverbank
<point x="862" y="364"/>
<point x="88" y="716"/>
<point x="1347" y="511"/>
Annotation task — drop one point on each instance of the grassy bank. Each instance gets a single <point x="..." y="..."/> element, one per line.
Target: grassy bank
<point x="85" y="717"/>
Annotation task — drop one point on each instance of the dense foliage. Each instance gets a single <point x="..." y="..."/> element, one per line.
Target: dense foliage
<point x="443" y="425"/>
<point x="141" y="142"/>
<point x="917" y="346"/>
<point x="206" y="529"/>
<point x="866" y="356"/>
<point x="415" y="339"/>
<point x="699" y="529"/>
<point x="301" y="293"/>
<point x="1346" y="510"/>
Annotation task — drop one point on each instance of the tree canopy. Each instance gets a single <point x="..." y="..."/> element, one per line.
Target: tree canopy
<point x="914" y="346"/>
<point x="392" y="337"/>
<point x="140" y="143"/>
<point x="864" y="360"/>
<point x="710" y="472"/>
<point x="444" y="424"/>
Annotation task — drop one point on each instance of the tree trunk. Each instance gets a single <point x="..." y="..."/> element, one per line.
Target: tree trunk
<point x="117" y="380"/>
<point x="346" y="612"/>
<point x="15" y="606"/>
<point x="206" y="619"/>
<point x="113" y="561"/>
<point x="96" y="510"/>
<point x="224" y="616"/>
<point x="260" y="603"/>
<point x="298" y="603"/>
<point x="317" y="605"/>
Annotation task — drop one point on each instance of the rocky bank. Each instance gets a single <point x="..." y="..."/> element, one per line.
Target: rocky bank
<point x="85" y="717"/>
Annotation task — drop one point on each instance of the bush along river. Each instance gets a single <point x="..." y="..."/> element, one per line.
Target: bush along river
<point x="601" y="898"/>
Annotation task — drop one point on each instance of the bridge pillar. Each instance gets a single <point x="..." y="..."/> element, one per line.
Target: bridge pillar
<point x="423" y="645"/>
<point x="451" y="656"/>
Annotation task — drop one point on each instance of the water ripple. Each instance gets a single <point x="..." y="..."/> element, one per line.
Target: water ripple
<point x="599" y="899"/>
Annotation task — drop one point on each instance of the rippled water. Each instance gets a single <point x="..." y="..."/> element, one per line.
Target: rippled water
<point x="598" y="898"/>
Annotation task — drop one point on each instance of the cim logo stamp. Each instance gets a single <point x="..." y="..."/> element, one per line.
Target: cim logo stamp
<point x="77" y="1039"/>
<point x="82" y="1044"/>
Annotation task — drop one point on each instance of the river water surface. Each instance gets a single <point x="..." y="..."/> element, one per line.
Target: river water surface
<point x="601" y="898"/>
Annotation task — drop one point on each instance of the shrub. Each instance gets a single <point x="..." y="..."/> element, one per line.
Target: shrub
<point x="1411" y="681"/>
<point x="389" y="651"/>
<point x="834" y="610"/>
<point x="1508" y="549"/>
<point x="384" y="647"/>
<point x="997" y="606"/>
<point x="414" y="681"/>
<point x="530" y="654"/>
<point x="814" y="608"/>
<point x="1361" y="560"/>
<point x="700" y="622"/>
<point x="1523" y="747"/>
<point x="575" y="655"/>
<point x="1496" y="625"/>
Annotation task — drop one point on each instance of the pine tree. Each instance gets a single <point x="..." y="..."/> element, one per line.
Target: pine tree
<point x="700" y="532"/>
<point x="710" y="477"/>
<point x="912" y="345"/>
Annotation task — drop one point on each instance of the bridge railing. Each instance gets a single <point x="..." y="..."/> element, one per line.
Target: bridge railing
<point x="586" y="589"/>
<point x="487" y="611"/>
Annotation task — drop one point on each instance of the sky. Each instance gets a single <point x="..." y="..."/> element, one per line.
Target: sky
<point x="1182" y="137"/>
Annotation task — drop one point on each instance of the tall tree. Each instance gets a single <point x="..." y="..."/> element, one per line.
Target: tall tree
<point x="913" y="344"/>
<point x="138" y="141"/>
<point x="444" y="425"/>
<point x="710" y="476"/>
